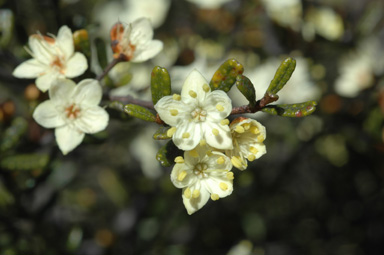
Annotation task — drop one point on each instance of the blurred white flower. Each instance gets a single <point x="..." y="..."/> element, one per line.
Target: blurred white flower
<point x="248" y="136"/>
<point x="244" y="247"/>
<point x="202" y="174"/>
<point x="73" y="111"/>
<point x="197" y="114"/>
<point x="135" y="41"/>
<point x="209" y="4"/>
<point x="287" y="13"/>
<point x="53" y="58"/>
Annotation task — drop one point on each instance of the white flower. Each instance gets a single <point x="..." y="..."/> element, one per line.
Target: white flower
<point x="197" y="114"/>
<point x="248" y="136"/>
<point x="202" y="174"/>
<point x="134" y="41"/>
<point x="209" y="4"/>
<point x="287" y="13"/>
<point x="73" y="111"/>
<point x="53" y="58"/>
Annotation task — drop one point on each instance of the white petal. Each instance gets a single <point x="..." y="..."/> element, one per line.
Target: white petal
<point x="65" y="41"/>
<point x="195" y="135"/>
<point x="194" y="82"/>
<point x="42" y="51"/>
<point x="46" y="115"/>
<point x="217" y="97"/>
<point x="76" y="65"/>
<point x="141" y="32"/>
<point x="61" y="91"/>
<point x="221" y="141"/>
<point x="45" y="81"/>
<point x="29" y="69"/>
<point x="213" y="186"/>
<point x="150" y="50"/>
<point x="188" y="180"/>
<point x="167" y="103"/>
<point x="88" y="92"/>
<point x="194" y="204"/>
<point x="68" y="138"/>
<point x="92" y="120"/>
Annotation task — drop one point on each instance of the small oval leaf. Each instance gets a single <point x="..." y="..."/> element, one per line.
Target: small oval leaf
<point x="168" y="153"/>
<point x="140" y="112"/>
<point x="161" y="134"/>
<point x="160" y="83"/>
<point x="282" y="75"/>
<point x="25" y="162"/>
<point x="292" y="110"/>
<point x="81" y="41"/>
<point x="246" y="88"/>
<point x="225" y="76"/>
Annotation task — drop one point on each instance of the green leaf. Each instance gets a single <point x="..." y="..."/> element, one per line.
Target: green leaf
<point x="160" y="83"/>
<point x="246" y="88"/>
<point x="161" y="134"/>
<point x="283" y="74"/>
<point x="101" y="52"/>
<point x="168" y="153"/>
<point x="291" y="110"/>
<point x="13" y="133"/>
<point x="25" y="162"/>
<point x="225" y="76"/>
<point x="139" y="112"/>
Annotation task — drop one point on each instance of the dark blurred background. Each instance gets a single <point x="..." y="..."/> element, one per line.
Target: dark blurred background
<point x="317" y="191"/>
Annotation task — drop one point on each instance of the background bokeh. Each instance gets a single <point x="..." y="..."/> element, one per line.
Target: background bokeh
<point x="318" y="190"/>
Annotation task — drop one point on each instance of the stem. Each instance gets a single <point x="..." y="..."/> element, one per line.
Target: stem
<point x="132" y="100"/>
<point x="114" y="62"/>
<point x="260" y="104"/>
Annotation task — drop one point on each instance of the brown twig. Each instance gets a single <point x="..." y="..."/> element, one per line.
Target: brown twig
<point x="114" y="62"/>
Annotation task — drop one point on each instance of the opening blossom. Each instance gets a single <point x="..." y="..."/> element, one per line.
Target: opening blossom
<point x="197" y="114"/>
<point x="202" y="174"/>
<point x="73" y="111"/>
<point x="134" y="41"/>
<point x="53" y="58"/>
<point x="248" y="136"/>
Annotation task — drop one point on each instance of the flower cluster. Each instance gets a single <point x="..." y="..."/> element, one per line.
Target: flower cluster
<point x="212" y="145"/>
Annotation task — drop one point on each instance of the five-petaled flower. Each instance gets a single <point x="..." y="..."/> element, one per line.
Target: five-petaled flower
<point x="134" y="42"/>
<point x="202" y="174"/>
<point x="197" y="115"/>
<point x="73" y="110"/>
<point x="53" y="58"/>
<point x="248" y="136"/>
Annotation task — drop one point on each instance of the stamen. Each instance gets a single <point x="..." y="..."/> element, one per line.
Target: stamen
<point x="253" y="150"/>
<point x="239" y="129"/>
<point x="220" y="160"/>
<point x="182" y="175"/>
<point x="196" y="193"/>
<point x="251" y="157"/>
<point x="230" y="176"/>
<point x="179" y="159"/>
<point x="192" y="93"/>
<point x="236" y="161"/>
<point x="174" y="112"/>
<point x="223" y="186"/>
<point x="215" y="131"/>
<point x="194" y="153"/>
<point x="176" y="97"/>
<point x="247" y="126"/>
<point x="224" y="122"/>
<point x="186" y="135"/>
<point x="203" y="142"/>
<point x="187" y="193"/>
<point x="254" y="130"/>
<point x="206" y="88"/>
<point x="260" y="138"/>
<point x="171" y="131"/>
<point x="209" y="153"/>
<point x="219" y="107"/>
<point x="215" y="197"/>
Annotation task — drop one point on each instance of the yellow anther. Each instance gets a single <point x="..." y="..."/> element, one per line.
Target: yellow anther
<point x="260" y="138"/>
<point x="215" y="131"/>
<point x="236" y="161"/>
<point x="254" y="130"/>
<point x="196" y="193"/>
<point x="247" y="126"/>
<point x="253" y="150"/>
<point x="209" y="153"/>
<point x="230" y="176"/>
<point x="194" y="153"/>
<point x="174" y="112"/>
<point x="220" y="160"/>
<point x="239" y="129"/>
<point x="219" y="107"/>
<point x="171" y="131"/>
<point x="192" y="93"/>
<point x="215" y="197"/>
<point x="223" y="186"/>
<point x="179" y="159"/>
<point x="203" y="142"/>
<point x="176" y="97"/>
<point x="181" y="175"/>
<point x="187" y="193"/>
<point x="251" y="157"/>
<point x="224" y="122"/>
<point x="186" y="135"/>
<point x="206" y="87"/>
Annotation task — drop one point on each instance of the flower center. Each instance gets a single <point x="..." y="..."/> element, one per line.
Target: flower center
<point x="200" y="169"/>
<point x="199" y="115"/>
<point x="72" y="111"/>
<point x="58" y="64"/>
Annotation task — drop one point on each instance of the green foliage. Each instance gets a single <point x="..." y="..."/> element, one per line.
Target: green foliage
<point x="246" y="88"/>
<point x="81" y="41"/>
<point x="168" y="153"/>
<point x="161" y="134"/>
<point x="101" y="53"/>
<point x="160" y="83"/>
<point x="282" y="75"/>
<point x="292" y="110"/>
<point x="25" y="162"/>
<point x="225" y="76"/>
<point x="139" y="112"/>
<point x="13" y="133"/>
